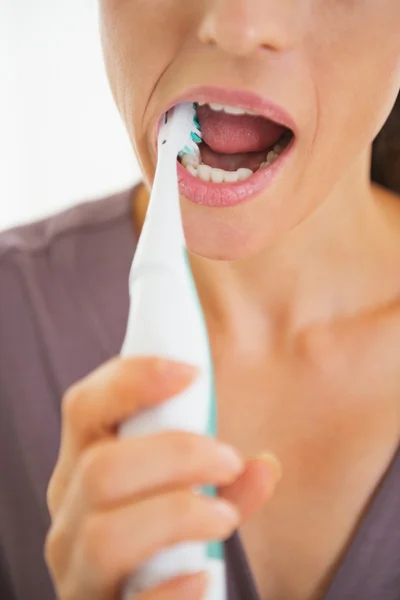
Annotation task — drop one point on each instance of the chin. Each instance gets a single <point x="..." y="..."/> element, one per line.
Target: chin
<point x="232" y="234"/>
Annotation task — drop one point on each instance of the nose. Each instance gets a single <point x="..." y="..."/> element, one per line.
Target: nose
<point x="240" y="27"/>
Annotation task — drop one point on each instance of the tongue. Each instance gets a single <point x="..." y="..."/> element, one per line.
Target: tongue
<point x="234" y="134"/>
<point x="231" y="162"/>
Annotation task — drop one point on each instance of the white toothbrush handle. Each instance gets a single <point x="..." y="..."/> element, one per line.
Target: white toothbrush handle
<point x="165" y="319"/>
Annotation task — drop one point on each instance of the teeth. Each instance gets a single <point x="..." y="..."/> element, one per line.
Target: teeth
<point x="231" y="176"/>
<point x="190" y="160"/>
<point x="271" y="157"/>
<point x="217" y="107"/>
<point x="217" y="175"/>
<point x="230" y="110"/>
<point x="207" y="173"/>
<point x="192" y="163"/>
<point x="204" y="172"/>
<point x="233" y="110"/>
<point x="278" y="148"/>
<point x="244" y="174"/>
<point x="192" y="170"/>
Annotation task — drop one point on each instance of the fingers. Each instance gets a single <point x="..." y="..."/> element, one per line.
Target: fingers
<point x="254" y="486"/>
<point x="120" y="470"/>
<point x="114" y="471"/>
<point x="115" y="391"/>
<point x="127" y="470"/>
<point x="119" y="501"/>
<point x="113" y="544"/>
<point x="94" y="407"/>
<point x="192" y="587"/>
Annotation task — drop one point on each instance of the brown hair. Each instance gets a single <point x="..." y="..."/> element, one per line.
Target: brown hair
<point x="386" y="152"/>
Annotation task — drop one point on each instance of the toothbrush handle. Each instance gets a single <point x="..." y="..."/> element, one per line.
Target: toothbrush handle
<point x="166" y="320"/>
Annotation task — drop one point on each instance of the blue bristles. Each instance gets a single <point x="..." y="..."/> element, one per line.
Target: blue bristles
<point x="195" y="136"/>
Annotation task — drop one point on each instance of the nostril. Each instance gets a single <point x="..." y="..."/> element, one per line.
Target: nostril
<point x="233" y="31"/>
<point x="206" y="32"/>
<point x="242" y="28"/>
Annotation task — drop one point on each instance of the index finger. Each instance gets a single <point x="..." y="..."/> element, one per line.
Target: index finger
<point x="94" y="407"/>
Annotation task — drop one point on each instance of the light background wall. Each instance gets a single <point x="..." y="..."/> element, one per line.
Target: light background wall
<point x="61" y="138"/>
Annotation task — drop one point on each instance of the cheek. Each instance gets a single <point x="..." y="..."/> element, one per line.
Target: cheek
<point x="357" y="69"/>
<point x="138" y="39"/>
<point x="122" y="38"/>
<point x="354" y="61"/>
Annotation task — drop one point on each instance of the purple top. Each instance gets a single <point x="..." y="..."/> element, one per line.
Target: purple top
<point x="63" y="312"/>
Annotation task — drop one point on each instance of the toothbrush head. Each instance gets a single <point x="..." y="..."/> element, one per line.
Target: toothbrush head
<point x="191" y="147"/>
<point x="180" y="130"/>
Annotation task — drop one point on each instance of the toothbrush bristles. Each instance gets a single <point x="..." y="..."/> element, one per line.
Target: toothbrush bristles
<point x="195" y="138"/>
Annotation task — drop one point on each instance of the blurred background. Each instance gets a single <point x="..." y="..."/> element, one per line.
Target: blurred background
<point x="61" y="138"/>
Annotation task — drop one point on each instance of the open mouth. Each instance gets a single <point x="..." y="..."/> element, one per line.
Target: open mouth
<point x="236" y="144"/>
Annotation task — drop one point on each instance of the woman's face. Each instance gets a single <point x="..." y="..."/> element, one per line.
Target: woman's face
<point x="331" y="66"/>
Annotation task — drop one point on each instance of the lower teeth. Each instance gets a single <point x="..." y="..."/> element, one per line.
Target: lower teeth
<point x="192" y="164"/>
<point x="207" y="173"/>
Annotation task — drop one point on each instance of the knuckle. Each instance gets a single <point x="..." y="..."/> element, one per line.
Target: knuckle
<point x="137" y="372"/>
<point x="54" y="491"/>
<point x="94" y="475"/>
<point x="97" y="546"/>
<point x="54" y="540"/>
<point x="184" y="508"/>
<point x="72" y="403"/>
<point x="121" y="386"/>
<point x="51" y="493"/>
<point x="186" y="447"/>
<point x="121" y="373"/>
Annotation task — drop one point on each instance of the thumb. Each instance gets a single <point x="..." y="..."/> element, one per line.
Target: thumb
<point x="255" y="485"/>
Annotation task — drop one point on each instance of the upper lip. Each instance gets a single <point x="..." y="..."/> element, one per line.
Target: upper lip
<point x="234" y="97"/>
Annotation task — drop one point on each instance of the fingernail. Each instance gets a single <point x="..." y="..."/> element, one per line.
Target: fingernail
<point x="174" y="369"/>
<point x="231" y="457"/>
<point x="226" y="510"/>
<point x="194" y="585"/>
<point x="273" y="462"/>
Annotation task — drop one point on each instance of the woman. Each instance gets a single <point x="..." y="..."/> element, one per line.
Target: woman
<point x="302" y="308"/>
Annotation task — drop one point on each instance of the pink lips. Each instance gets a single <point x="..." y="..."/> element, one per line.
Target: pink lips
<point x="228" y="194"/>
<point x="223" y="195"/>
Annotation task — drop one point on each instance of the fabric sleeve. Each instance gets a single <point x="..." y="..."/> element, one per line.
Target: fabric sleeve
<point x="6" y="592"/>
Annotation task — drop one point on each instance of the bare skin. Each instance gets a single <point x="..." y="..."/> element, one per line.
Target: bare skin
<point x="334" y="429"/>
<point x="105" y="522"/>
<point x="301" y="305"/>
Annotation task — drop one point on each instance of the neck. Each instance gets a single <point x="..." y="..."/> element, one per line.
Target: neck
<point x="327" y="268"/>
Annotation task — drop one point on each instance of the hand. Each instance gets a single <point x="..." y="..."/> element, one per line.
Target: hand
<point x="115" y="502"/>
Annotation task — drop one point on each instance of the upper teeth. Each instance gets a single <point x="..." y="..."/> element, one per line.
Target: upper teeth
<point x="231" y="110"/>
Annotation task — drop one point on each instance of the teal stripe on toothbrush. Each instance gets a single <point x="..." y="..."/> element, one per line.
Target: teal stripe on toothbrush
<point x="186" y="150"/>
<point x="195" y="137"/>
<point x="215" y="549"/>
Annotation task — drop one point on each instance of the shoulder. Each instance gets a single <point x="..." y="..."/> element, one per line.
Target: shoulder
<point x="42" y="235"/>
<point x="62" y="307"/>
<point x="54" y="275"/>
<point x="34" y="255"/>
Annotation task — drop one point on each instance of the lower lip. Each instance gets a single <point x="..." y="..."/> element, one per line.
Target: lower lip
<point x="225" y="195"/>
